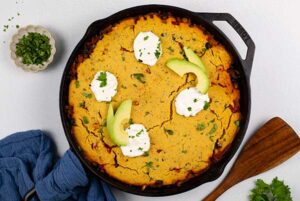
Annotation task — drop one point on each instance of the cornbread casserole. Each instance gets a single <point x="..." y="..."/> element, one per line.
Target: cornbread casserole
<point x="181" y="147"/>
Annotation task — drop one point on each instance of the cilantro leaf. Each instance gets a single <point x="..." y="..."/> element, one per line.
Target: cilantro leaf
<point x="277" y="191"/>
<point x="206" y="105"/>
<point x="103" y="79"/>
<point x="140" y="77"/>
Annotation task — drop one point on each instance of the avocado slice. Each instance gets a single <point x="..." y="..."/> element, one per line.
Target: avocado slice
<point x="194" y="58"/>
<point x="182" y="67"/>
<point x="116" y="122"/>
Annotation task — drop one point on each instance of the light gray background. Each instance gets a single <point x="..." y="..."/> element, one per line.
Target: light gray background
<point x="30" y="100"/>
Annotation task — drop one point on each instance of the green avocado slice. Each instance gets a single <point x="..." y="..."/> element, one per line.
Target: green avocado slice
<point x="194" y="58"/>
<point x="182" y="67"/>
<point x="116" y="122"/>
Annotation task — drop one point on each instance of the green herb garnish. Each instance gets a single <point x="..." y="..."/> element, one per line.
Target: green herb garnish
<point x="77" y="85"/>
<point x="189" y="109"/>
<point x="157" y="51"/>
<point x="170" y="49"/>
<point x="200" y="127"/>
<point x="33" y="48"/>
<point x="82" y="104"/>
<point x="237" y="123"/>
<point x="146" y="153"/>
<point x="195" y="100"/>
<point x="130" y="121"/>
<point x="169" y="131"/>
<point x="213" y="129"/>
<point x="146" y="37"/>
<point x="149" y="164"/>
<point x="140" y="77"/>
<point x="139" y="133"/>
<point x="276" y="191"/>
<point x="87" y="95"/>
<point x="103" y="79"/>
<point x="140" y="148"/>
<point x="85" y="120"/>
<point x="206" y="105"/>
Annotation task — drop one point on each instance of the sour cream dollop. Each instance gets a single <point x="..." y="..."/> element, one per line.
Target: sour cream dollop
<point x="139" y="141"/>
<point x="147" y="48"/>
<point x="104" y="86"/>
<point x="190" y="101"/>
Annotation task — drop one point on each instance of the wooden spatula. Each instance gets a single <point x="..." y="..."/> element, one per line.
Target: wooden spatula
<point x="272" y="144"/>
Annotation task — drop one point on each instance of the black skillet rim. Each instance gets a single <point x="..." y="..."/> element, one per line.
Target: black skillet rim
<point x="243" y="66"/>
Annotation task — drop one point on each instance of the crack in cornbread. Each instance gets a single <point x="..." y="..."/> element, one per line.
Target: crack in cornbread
<point x="180" y="147"/>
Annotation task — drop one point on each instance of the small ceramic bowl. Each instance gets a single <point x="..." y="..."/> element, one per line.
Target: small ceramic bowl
<point x="18" y="60"/>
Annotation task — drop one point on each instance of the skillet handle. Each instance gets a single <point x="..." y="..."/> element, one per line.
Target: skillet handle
<point x="247" y="62"/>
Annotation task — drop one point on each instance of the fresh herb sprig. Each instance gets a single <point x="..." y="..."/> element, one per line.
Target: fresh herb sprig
<point x="276" y="191"/>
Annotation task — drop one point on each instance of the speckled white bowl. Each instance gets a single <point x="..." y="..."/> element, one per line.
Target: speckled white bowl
<point x="18" y="60"/>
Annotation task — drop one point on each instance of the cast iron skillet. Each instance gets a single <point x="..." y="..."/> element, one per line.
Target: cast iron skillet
<point x="240" y="65"/>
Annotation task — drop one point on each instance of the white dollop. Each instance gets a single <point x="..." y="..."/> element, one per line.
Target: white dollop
<point x="147" y="48"/>
<point x="106" y="92"/>
<point x="190" y="101"/>
<point x="139" y="141"/>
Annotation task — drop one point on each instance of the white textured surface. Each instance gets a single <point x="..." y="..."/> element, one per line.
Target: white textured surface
<point x="30" y="100"/>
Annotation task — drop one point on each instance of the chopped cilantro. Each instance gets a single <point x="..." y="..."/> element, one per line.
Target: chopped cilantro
<point x="213" y="129"/>
<point x="169" y="131"/>
<point x="149" y="164"/>
<point x="195" y="100"/>
<point x="146" y="37"/>
<point x="140" y="77"/>
<point x="33" y="48"/>
<point x="206" y="105"/>
<point x="237" y="123"/>
<point x="200" y="127"/>
<point x="170" y="49"/>
<point x="85" y="120"/>
<point x="189" y="109"/>
<point x="17" y="26"/>
<point x="87" y="95"/>
<point x="140" y="148"/>
<point x="139" y="133"/>
<point x="103" y="79"/>
<point x="77" y="85"/>
<point x="184" y="151"/>
<point x="157" y="53"/>
<point x="130" y="121"/>
<point x="82" y="104"/>
<point x="146" y="153"/>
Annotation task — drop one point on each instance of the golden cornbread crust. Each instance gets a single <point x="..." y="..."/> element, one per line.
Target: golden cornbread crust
<point x="181" y="147"/>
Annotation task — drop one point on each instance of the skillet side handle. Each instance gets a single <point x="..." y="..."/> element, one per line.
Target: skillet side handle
<point x="210" y="17"/>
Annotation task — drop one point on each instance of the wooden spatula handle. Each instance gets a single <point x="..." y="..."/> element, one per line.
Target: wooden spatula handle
<point x="272" y="144"/>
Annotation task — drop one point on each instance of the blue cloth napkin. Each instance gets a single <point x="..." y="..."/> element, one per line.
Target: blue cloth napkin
<point x="27" y="160"/>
